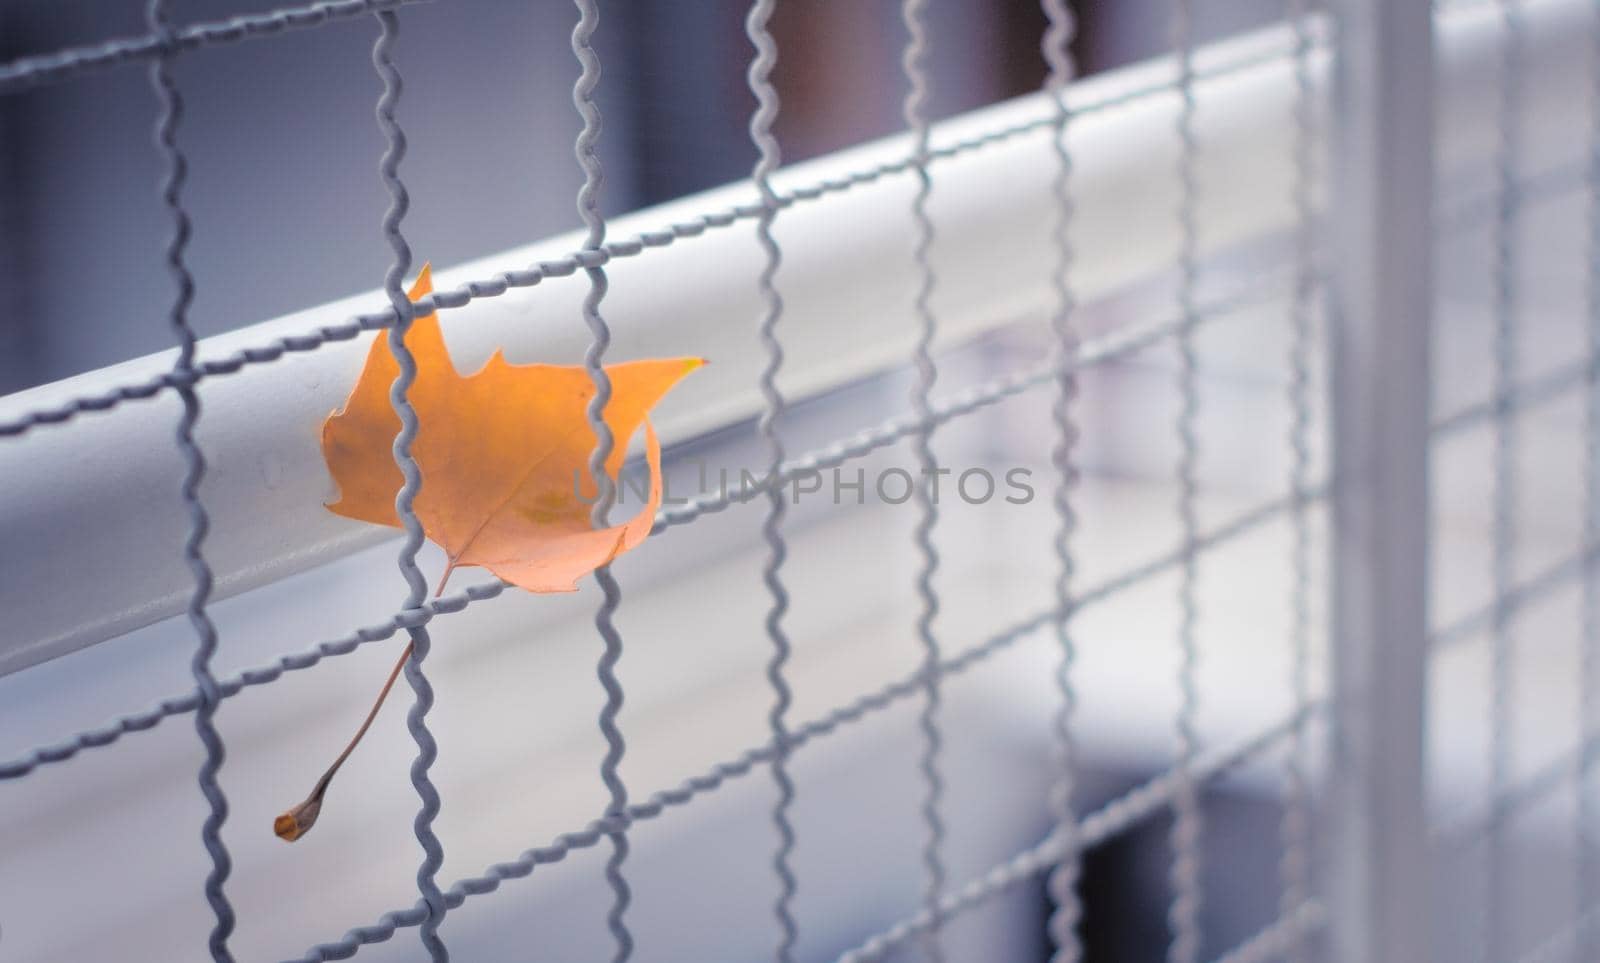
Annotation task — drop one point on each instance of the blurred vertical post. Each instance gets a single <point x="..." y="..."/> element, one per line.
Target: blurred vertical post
<point x="1380" y="306"/>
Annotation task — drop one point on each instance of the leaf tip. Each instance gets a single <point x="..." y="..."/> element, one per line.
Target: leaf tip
<point x="294" y="823"/>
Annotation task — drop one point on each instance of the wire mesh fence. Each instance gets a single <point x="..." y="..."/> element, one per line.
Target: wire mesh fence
<point x="1297" y="291"/>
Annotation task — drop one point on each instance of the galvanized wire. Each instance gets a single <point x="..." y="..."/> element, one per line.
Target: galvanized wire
<point x="605" y="495"/>
<point x="1549" y="184"/>
<point x="158" y="44"/>
<point x="1504" y="524"/>
<point x="1101" y="350"/>
<point x="1470" y="829"/>
<point x="1568" y="943"/>
<point x="1183" y="916"/>
<point x="206" y="693"/>
<point x="1110" y="820"/>
<point x="569" y="264"/>
<point x="1062" y="882"/>
<point x="1285" y="937"/>
<point x="1522" y="596"/>
<point x="405" y="499"/>
<point x="759" y="76"/>
<point x="1294" y="871"/>
<point x="1114" y="818"/>
<point x="914" y="64"/>
<point x="1529" y="394"/>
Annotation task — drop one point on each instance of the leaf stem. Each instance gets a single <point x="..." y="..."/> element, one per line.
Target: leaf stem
<point x="297" y="821"/>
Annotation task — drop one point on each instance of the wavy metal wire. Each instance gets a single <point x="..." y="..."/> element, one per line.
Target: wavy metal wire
<point x="1462" y="831"/>
<point x="207" y="694"/>
<point x="568" y="265"/>
<point x="417" y="585"/>
<point x="1568" y="943"/>
<point x="1502" y="653"/>
<point x="1062" y="881"/>
<point x="759" y="76"/>
<point x="606" y="670"/>
<point x="1183" y="917"/>
<point x="1284" y="938"/>
<point x="914" y="64"/>
<point x="1102" y="350"/>
<point x="1294" y="871"/>
<point x="1522" y="596"/>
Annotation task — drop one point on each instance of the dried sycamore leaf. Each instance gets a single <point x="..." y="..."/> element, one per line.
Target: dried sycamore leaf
<point x="504" y="454"/>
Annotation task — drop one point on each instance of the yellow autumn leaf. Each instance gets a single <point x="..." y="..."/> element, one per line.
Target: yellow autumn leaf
<point x="504" y="455"/>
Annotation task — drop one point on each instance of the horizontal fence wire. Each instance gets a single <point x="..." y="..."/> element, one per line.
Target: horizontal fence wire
<point x="1520" y="596"/>
<point x="1532" y="789"/>
<point x="70" y="62"/>
<point x="862" y="707"/>
<point x="1281" y="937"/>
<point x="1538" y="187"/>
<point x="571" y="263"/>
<point x="1563" y="945"/>
<point x="1554" y="385"/>
<point x="1113" y="347"/>
<point x="1110" y="820"/>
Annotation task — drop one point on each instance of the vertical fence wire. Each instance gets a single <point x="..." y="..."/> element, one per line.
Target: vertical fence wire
<point x="1183" y="916"/>
<point x="1062" y="881"/>
<point x="1295" y="866"/>
<point x="757" y="28"/>
<point x="405" y="499"/>
<point x="1586" y="944"/>
<point x="207" y="693"/>
<point x="914" y="62"/>
<point x="1502" y="681"/>
<point x="585" y="149"/>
